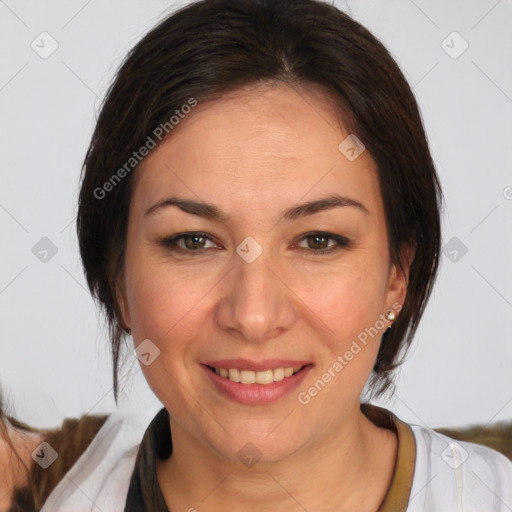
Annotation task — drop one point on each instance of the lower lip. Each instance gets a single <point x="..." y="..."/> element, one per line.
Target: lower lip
<point x="257" y="394"/>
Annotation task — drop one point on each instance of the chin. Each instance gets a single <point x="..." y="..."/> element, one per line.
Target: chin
<point x="256" y="451"/>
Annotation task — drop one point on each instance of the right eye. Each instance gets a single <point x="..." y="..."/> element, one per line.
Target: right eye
<point x="193" y="242"/>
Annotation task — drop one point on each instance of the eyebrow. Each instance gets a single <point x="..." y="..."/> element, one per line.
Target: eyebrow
<point x="210" y="211"/>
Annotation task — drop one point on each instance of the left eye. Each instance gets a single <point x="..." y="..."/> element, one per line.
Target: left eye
<point x="321" y="240"/>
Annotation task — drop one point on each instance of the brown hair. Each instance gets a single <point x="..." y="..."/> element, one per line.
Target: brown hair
<point x="210" y="47"/>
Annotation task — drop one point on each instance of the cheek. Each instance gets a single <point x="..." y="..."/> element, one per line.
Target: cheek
<point x="348" y="318"/>
<point x="165" y="308"/>
<point x="345" y="300"/>
<point x="167" y="302"/>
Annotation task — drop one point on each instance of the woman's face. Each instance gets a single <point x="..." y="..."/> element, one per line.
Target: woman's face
<point x="257" y="290"/>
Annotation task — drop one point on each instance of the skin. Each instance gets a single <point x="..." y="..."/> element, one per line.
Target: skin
<point x="255" y="153"/>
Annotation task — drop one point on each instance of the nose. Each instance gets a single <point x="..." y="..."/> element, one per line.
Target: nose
<point x="256" y="304"/>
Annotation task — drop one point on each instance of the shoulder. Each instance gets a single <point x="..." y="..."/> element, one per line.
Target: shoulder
<point x="104" y="472"/>
<point x="462" y="472"/>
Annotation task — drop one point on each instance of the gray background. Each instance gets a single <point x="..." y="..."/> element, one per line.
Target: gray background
<point x="54" y="354"/>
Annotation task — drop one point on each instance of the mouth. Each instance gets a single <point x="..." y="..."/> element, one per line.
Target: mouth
<point x="263" y="385"/>
<point x="264" y="377"/>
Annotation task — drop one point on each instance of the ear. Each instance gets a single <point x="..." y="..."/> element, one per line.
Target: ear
<point x="399" y="278"/>
<point x="122" y="302"/>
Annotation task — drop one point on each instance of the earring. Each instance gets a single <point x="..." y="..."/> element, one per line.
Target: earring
<point x="128" y="331"/>
<point x="390" y="315"/>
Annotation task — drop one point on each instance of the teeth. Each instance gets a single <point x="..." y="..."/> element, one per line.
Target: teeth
<point x="247" y="377"/>
<point x="234" y="375"/>
<point x="261" y="377"/>
<point x="278" y="374"/>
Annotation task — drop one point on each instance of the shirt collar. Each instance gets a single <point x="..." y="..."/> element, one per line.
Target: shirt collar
<point x="144" y="491"/>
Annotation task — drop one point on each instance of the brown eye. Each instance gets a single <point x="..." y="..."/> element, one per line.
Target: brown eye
<point x="318" y="242"/>
<point x="187" y="242"/>
<point x="194" y="241"/>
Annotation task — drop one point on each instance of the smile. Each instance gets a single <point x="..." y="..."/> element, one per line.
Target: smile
<point x="256" y="377"/>
<point x="256" y="386"/>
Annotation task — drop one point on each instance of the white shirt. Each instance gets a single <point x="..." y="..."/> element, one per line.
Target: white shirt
<point x="458" y="476"/>
<point x="449" y="475"/>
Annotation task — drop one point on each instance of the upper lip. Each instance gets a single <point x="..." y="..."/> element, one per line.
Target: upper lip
<point x="264" y="364"/>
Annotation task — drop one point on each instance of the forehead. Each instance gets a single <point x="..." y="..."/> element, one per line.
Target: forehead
<point x="259" y="144"/>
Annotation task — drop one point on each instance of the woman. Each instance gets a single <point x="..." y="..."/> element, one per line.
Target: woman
<point x="259" y="209"/>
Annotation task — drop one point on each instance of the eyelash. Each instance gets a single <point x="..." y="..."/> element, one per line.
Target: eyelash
<point x="171" y="242"/>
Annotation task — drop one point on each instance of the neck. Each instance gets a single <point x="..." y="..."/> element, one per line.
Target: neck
<point x="351" y="469"/>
